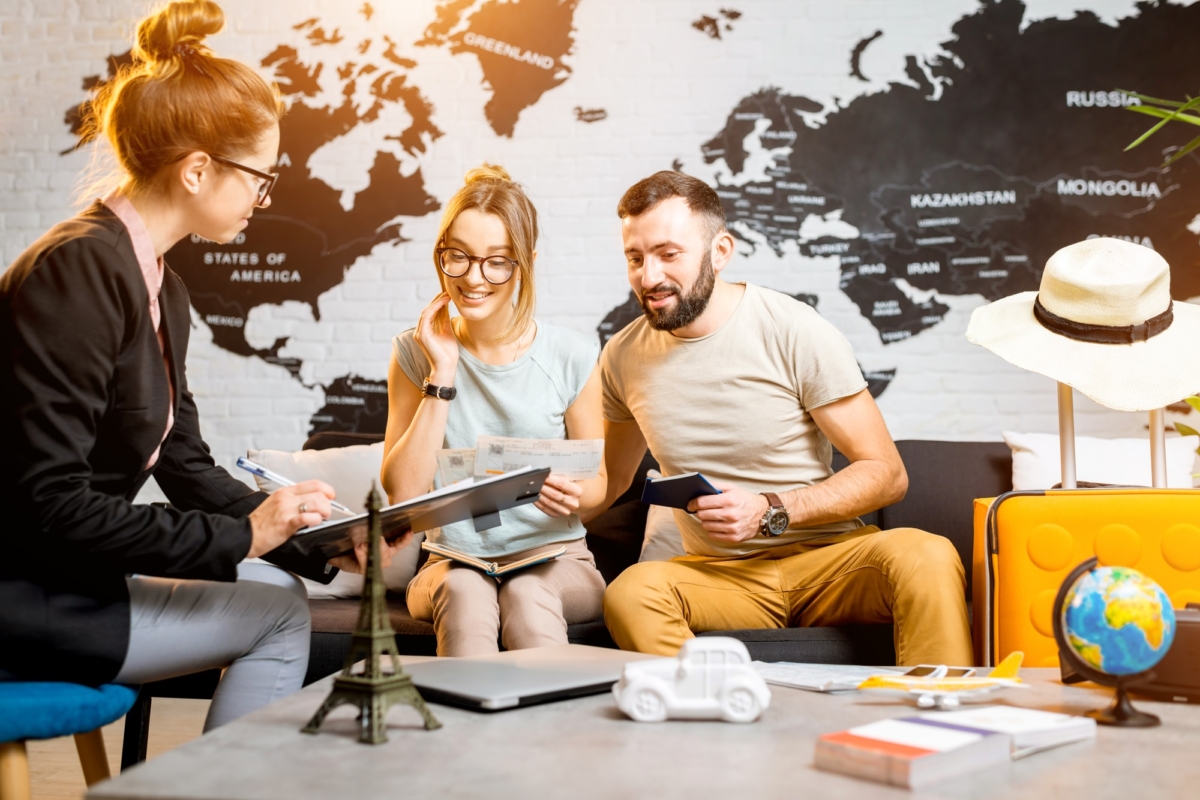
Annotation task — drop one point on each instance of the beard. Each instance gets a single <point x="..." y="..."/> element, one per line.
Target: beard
<point x="688" y="306"/>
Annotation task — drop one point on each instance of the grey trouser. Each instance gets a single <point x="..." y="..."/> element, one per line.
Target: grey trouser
<point x="258" y="627"/>
<point x="528" y="608"/>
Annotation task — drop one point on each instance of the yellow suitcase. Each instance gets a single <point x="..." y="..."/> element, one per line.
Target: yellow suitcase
<point x="1027" y="542"/>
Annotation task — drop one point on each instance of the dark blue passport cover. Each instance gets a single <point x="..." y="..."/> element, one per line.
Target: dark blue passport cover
<point x="676" y="492"/>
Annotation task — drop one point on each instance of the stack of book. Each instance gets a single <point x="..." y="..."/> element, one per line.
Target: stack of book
<point x="927" y="748"/>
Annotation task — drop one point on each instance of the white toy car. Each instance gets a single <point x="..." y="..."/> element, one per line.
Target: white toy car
<point x="711" y="678"/>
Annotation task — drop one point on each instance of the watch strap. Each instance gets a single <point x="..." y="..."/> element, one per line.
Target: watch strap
<point x="774" y="500"/>
<point x="440" y="392"/>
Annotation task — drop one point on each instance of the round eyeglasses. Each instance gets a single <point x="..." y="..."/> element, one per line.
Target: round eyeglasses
<point x="455" y="263"/>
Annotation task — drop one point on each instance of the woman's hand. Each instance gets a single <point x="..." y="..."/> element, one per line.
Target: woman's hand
<point x="357" y="563"/>
<point x="286" y="511"/>
<point x="436" y="338"/>
<point x="559" y="497"/>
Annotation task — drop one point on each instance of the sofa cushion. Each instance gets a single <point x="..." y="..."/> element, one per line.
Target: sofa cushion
<point x="1115" y="462"/>
<point x="351" y="471"/>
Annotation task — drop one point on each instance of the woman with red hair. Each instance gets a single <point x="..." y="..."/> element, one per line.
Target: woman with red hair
<point x="94" y="401"/>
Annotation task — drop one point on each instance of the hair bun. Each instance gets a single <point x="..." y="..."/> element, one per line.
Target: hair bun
<point x="488" y="172"/>
<point x="178" y="30"/>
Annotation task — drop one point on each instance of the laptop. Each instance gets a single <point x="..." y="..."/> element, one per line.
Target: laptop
<point x="518" y="678"/>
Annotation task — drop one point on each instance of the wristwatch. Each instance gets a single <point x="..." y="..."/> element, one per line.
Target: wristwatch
<point x="776" y="520"/>
<point x="440" y="392"/>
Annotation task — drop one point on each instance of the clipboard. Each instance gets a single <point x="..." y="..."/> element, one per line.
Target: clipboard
<point x="480" y="500"/>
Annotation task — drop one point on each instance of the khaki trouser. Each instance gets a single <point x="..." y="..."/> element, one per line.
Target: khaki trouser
<point x="906" y="576"/>
<point x="528" y="608"/>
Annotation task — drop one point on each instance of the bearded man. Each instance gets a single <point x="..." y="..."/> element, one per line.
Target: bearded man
<point x="750" y="387"/>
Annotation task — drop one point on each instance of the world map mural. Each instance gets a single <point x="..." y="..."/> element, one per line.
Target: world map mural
<point x="961" y="180"/>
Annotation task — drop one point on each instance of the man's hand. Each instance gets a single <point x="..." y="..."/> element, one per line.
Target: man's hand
<point x="731" y="516"/>
<point x="357" y="563"/>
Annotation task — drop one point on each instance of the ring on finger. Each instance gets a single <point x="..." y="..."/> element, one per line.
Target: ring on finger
<point x="304" y="508"/>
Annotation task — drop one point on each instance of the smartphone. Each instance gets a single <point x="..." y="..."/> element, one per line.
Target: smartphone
<point x="925" y="670"/>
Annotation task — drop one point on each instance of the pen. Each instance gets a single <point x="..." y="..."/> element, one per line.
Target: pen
<point x="275" y="477"/>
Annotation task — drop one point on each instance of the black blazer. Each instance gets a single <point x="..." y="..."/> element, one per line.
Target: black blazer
<point x="83" y="404"/>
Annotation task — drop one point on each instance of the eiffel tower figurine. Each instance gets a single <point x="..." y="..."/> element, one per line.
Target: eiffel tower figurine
<point x="372" y="690"/>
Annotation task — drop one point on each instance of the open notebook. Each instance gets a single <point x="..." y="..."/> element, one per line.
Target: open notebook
<point x="491" y="567"/>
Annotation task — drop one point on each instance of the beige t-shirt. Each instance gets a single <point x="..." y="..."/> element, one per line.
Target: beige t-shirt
<point x="734" y="405"/>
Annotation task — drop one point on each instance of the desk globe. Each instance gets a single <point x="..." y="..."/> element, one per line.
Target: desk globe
<point x="1113" y="625"/>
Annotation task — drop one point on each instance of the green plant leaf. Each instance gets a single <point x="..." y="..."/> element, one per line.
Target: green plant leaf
<point x="1187" y="148"/>
<point x="1193" y="401"/>
<point x="1147" y="99"/>
<point x="1186" y="430"/>
<point x="1163" y="113"/>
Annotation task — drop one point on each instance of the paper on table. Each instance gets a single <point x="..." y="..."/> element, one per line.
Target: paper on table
<point x="455" y="465"/>
<point x="575" y="459"/>
<point x="818" y="677"/>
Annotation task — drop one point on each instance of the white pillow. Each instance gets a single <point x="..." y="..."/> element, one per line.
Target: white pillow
<point x="1120" y="462"/>
<point x="351" y="471"/>
<point x="662" y="540"/>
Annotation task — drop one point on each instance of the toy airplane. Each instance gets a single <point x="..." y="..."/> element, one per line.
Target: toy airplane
<point x="938" y="691"/>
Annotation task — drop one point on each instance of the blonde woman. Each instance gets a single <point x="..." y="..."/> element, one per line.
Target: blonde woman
<point x="511" y="376"/>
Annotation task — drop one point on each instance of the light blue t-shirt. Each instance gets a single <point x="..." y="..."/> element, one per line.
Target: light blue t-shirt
<point x="526" y="399"/>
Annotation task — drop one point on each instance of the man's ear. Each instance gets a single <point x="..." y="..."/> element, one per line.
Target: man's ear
<point x="722" y="250"/>
<point x="192" y="172"/>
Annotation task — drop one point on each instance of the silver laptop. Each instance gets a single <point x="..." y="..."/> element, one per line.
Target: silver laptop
<point x="520" y="677"/>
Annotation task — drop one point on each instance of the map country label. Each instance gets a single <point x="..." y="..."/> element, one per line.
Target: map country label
<point x="472" y="39"/>
<point x="1094" y="188"/>
<point x="950" y="200"/>
<point x="1101" y="100"/>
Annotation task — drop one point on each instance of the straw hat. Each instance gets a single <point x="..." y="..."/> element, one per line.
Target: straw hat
<point x="1102" y="322"/>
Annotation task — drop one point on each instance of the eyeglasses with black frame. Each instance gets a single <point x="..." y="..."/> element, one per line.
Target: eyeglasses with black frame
<point x="268" y="178"/>
<point x="497" y="270"/>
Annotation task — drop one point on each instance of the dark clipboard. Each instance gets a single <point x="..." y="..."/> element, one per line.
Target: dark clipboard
<point x="481" y="500"/>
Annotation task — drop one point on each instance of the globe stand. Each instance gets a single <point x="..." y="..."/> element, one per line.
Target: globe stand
<point x="1121" y="713"/>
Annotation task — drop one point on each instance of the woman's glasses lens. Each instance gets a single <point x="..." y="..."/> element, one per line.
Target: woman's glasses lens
<point x="496" y="270"/>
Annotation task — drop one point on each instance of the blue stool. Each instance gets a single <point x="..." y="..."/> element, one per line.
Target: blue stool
<point x="50" y="710"/>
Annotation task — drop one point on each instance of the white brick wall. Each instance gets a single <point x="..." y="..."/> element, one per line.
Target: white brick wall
<point x="666" y="89"/>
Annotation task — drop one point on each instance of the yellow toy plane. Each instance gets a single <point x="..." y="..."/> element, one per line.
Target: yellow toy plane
<point x="938" y="691"/>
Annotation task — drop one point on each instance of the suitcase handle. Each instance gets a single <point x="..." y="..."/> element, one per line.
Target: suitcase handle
<point x="1066" y="441"/>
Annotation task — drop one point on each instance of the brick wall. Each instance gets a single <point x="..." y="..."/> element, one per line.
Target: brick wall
<point x="666" y="88"/>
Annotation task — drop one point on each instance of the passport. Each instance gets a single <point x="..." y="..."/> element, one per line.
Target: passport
<point x="676" y="491"/>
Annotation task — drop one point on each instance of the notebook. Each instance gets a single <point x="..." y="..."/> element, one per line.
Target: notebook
<point x="819" y="677"/>
<point x="911" y="752"/>
<point x="491" y="567"/>
<point x="1032" y="731"/>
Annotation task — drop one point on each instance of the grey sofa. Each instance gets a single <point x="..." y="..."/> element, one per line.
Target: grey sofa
<point x="944" y="479"/>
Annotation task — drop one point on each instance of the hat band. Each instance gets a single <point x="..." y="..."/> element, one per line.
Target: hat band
<point x="1103" y="334"/>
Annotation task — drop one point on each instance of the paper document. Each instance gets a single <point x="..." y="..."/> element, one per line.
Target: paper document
<point x="819" y="677"/>
<point x="455" y="465"/>
<point x="575" y="459"/>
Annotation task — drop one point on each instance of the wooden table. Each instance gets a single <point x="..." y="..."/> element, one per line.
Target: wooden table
<point x="585" y="748"/>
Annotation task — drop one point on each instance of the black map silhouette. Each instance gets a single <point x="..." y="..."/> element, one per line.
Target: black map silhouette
<point x="1000" y="152"/>
<point x="302" y="245"/>
<point x="520" y="45"/>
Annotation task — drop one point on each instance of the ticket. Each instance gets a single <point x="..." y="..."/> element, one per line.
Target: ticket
<point x="575" y="459"/>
